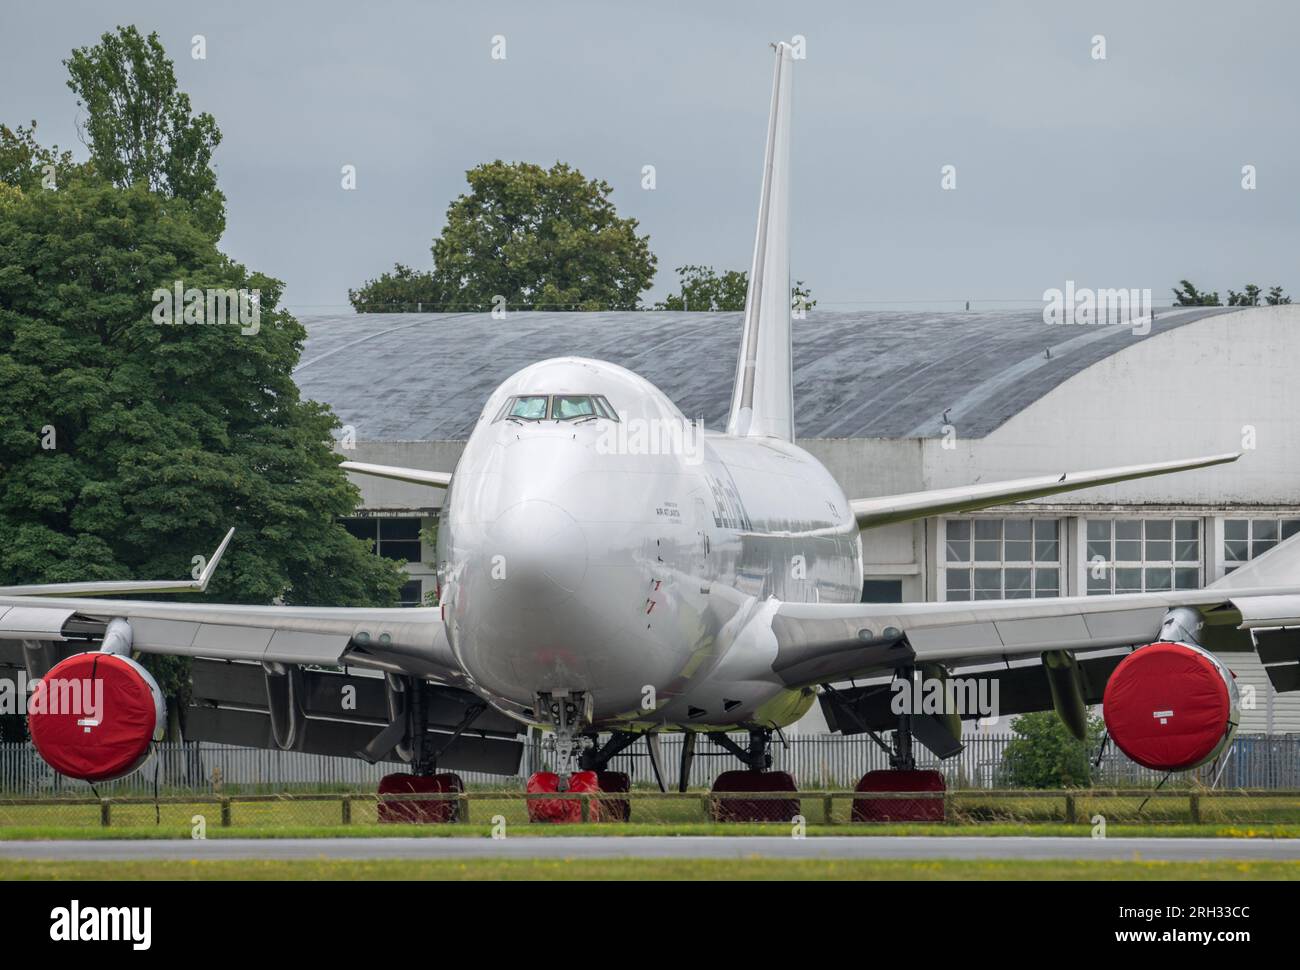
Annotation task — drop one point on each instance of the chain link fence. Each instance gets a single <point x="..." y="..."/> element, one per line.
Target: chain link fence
<point x="825" y="762"/>
<point x="488" y="812"/>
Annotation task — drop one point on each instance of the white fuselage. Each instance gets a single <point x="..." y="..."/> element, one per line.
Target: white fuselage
<point x="625" y="559"/>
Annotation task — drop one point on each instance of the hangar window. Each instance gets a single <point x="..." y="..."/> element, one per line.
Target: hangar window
<point x="391" y="537"/>
<point x="1143" y="555"/>
<point x="1244" y="539"/>
<point x="989" y="559"/>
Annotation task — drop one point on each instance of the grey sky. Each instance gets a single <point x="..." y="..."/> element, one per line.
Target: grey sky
<point x="1125" y="172"/>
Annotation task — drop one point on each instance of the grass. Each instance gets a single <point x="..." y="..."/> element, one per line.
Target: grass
<point x="648" y="869"/>
<point x="1005" y="829"/>
<point x="971" y="813"/>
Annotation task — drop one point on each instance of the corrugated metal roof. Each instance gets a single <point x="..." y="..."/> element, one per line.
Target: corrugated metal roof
<point x="424" y="377"/>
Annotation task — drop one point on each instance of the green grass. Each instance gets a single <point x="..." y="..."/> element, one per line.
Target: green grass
<point x="971" y="813"/>
<point x="173" y="831"/>
<point x="648" y="869"/>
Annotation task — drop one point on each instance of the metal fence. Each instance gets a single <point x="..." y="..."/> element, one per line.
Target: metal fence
<point x="826" y="761"/>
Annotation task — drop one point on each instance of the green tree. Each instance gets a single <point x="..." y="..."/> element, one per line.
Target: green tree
<point x="139" y="126"/>
<point x="703" y="288"/>
<point x="402" y="291"/>
<point x="1249" y="296"/>
<point x="1276" y="297"/>
<point x="26" y="164"/>
<point x="545" y="239"/>
<point x="128" y="447"/>
<point x="1188" y="295"/>
<point x="1044" y="754"/>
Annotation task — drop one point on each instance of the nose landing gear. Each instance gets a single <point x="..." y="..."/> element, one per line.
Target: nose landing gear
<point x="579" y="763"/>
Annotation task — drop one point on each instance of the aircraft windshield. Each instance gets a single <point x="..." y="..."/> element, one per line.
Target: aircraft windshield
<point x="529" y="408"/>
<point x="565" y="407"/>
<point x="558" y="407"/>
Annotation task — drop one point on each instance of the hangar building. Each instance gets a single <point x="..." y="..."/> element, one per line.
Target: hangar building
<point x="897" y="402"/>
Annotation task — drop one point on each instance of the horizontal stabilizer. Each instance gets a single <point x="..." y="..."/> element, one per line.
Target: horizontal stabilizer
<point x="416" y="476"/>
<point x="887" y="509"/>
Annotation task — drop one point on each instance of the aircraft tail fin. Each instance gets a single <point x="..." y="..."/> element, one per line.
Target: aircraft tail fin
<point x="762" y="401"/>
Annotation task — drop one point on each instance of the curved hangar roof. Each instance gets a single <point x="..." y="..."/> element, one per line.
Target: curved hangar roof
<point x="871" y="374"/>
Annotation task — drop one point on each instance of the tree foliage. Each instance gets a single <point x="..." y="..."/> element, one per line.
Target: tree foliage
<point x="26" y="164"/>
<point x="1188" y="295"/>
<point x="1185" y="294"/>
<point x="139" y="126"/>
<point x="404" y="290"/>
<point x="1043" y="754"/>
<point x="1250" y="296"/>
<point x="127" y="447"/>
<point x="703" y="288"/>
<point x="539" y="239"/>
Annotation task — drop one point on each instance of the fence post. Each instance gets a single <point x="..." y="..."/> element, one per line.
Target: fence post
<point x="225" y="813"/>
<point x="1194" y="807"/>
<point x="586" y="808"/>
<point x="347" y="809"/>
<point x="105" y="812"/>
<point x="462" y="813"/>
<point x="828" y="806"/>
<point x="1069" y="810"/>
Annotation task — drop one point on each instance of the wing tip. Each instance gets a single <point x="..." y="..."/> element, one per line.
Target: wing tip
<point x="211" y="566"/>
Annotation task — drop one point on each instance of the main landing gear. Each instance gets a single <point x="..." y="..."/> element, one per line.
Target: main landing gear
<point x="408" y="735"/>
<point x="757" y="776"/>
<point x="901" y="776"/>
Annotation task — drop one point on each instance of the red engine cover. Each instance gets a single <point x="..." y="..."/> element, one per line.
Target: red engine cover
<point x="1168" y="706"/>
<point x="93" y="716"/>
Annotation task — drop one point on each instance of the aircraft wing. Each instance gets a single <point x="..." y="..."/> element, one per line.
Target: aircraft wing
<point x="1256" y="607"/>
<point x="822" y="642"/>
<point x="412" y="639"/>
<point x="267" y="676"/>
<point x="126" y="587"/>
<point x="887" y="509"/>
<point x="58" y="612"/>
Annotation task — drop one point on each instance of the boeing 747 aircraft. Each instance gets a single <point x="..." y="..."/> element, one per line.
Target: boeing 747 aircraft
<point x="606" y="590"/>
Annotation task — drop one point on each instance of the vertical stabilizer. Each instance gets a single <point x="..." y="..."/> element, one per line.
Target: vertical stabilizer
<point x="762" y="401"/>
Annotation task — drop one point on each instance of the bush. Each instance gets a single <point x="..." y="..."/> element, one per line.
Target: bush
<point x="1045" y="755"/>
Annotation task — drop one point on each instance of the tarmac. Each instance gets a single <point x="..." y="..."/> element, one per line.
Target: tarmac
<point x="662" y="847"/>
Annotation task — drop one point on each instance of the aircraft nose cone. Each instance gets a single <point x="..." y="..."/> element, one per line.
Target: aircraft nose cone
<point x="537" y="554"/>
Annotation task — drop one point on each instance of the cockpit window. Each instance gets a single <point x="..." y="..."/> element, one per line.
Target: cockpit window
<point x="530" y="407"/>
<point x="566" y="407"/>
<point x="558" y="407"/>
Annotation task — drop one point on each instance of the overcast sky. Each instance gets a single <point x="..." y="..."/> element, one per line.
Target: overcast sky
<point x="1123" y="172"/>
